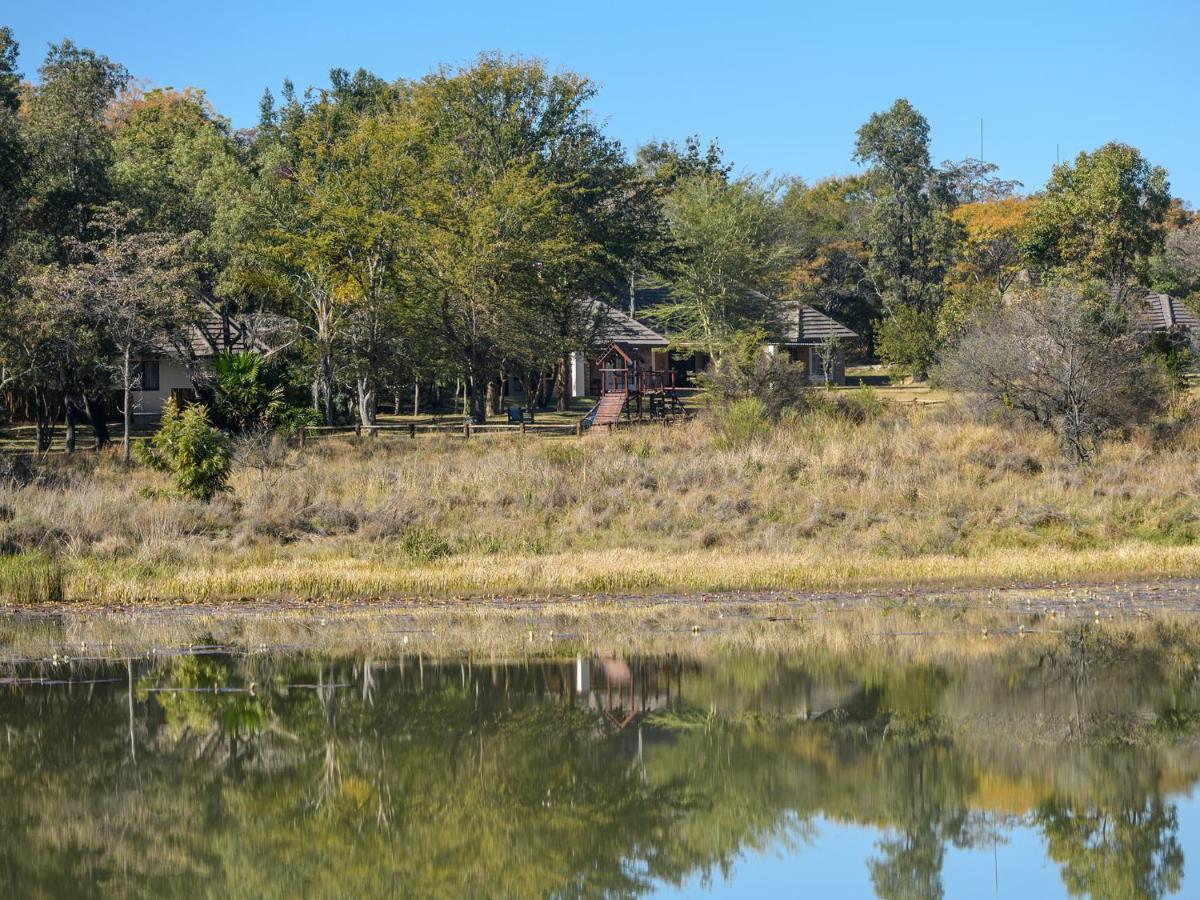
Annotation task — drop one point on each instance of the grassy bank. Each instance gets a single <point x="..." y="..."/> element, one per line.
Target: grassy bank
<point x="881" y="496"/>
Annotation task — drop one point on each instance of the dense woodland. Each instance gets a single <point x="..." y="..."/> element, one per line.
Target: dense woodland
<point x="440" y="232"/>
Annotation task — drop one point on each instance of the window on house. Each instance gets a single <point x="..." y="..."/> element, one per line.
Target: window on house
<point x="145" y="375"/>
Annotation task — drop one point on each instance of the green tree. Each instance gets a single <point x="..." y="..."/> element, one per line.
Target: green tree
<point x="826" y="222"/>
<point x="909" y="231"/>
<point x="665" y="162"/>
<point x="176" y="161"/>
<point x="524" y="212"/>
<point x="1101" y="218"/>
<point x="13" y="162"/>
<point x="1176" y="270"/>
<point x="50" y="343"/>
<point x="68" y="149"/>
<point x="731" y="253"/>
<point x="70" y="143"/>
<point x="196" y="455"/>
<point x="13" y="158"/>
<point x="1129" y="851"/>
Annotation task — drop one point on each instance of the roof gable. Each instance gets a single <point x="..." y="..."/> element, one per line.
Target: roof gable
<point x="804" y="324"/>
<point x="1161" y="312"/>
<point x="619" y="327"/>
<point x="799" y="323"/>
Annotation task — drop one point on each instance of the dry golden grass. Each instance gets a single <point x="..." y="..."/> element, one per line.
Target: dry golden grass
<point x="912" y="496"/>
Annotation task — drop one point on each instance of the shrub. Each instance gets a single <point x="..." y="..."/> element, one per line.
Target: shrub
<point x="745" y="371"/>
<point x="907" y="341"/>
<point x="1064" y="360"/>
<point x="742" y="423"/>
<point x="290" y="419"/>
<point x="424" y="544"/>
<point x="244" y="395"/>
<point x="16" y="471"/>
<point x="191" y="451"/>
<point x="24" y="533"/>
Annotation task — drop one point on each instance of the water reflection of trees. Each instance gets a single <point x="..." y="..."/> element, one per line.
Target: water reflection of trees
<point x="274" y="775"/>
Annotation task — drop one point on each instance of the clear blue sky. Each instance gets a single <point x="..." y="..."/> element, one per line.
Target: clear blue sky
<point x="783" y="86"/>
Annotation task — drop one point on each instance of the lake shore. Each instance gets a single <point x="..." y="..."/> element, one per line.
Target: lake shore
<point x="868" y="497"/>
<point x="933" y="623"/>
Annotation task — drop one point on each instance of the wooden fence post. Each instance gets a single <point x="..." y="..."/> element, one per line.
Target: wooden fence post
<point x="302" y="430"/>
<point x="579" y="428"/>
<point x="467" y="429"/>
<point x="522" y="427"/>
<point x="358" y="429"/>
<point x="412" y="429"/>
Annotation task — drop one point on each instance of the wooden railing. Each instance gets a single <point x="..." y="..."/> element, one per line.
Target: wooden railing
<point x="636" y="381"/>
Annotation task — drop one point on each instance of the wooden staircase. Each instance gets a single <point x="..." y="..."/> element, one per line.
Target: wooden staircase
<point x="609" y="409"/>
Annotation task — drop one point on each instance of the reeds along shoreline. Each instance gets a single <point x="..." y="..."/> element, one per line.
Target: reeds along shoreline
<point x="824" y="501"/>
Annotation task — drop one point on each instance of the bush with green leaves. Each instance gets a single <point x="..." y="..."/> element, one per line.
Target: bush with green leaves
<point x="245" y="396"/>
<point x="290" y="419"/>
<point x="745" y="370"/>
<point x="742" y="423"/>
<point x="186" y="446"/>
<point x="907" y="340"/>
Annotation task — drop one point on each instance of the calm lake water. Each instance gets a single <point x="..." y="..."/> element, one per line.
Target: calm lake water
<point x="293" y="774"/>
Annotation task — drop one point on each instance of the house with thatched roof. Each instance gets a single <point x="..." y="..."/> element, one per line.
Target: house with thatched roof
<point x="802" y="331"/>
<point x="637" y="340"/>
<point x="1171" y="317"/>
<point x="176" y="368"/>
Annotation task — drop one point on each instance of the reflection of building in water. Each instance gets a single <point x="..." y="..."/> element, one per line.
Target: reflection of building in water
<point x="624" y="691"/>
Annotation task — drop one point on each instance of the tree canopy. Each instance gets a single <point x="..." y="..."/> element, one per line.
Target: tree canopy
<point x="458" y="230"/>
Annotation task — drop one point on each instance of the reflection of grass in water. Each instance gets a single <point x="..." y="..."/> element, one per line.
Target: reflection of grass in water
<point x="930" y="629"/>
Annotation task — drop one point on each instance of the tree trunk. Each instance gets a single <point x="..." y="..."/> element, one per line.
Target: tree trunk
<point x="562" y="383"/>
<point x="39" y="421"/>
<point x="327" y="381"/>
<point x="98" y="421"/>
<point x="71" y="419"/>
<point x="366" y="404"/>
<point x="127" y="411"/>
<point x="479" y="391"/>
<point x="496" y="386"/>
<point x="416" y="398"/>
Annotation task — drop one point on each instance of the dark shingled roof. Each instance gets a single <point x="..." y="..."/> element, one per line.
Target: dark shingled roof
<point x="264" y="332"/>
<point x="1163" y="312"/>
<point x="804" y="324"/>
<point x="619" y="327"/>
<point x="799" y="322"/>
<point x="206" y="337"/>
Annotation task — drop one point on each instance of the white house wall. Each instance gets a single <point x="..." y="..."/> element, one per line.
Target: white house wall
<point x="171" y="376"/>
<point x="579" y="375"/>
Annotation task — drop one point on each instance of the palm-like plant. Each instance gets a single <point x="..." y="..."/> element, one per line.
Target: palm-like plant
<point x="243" y="395"/>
